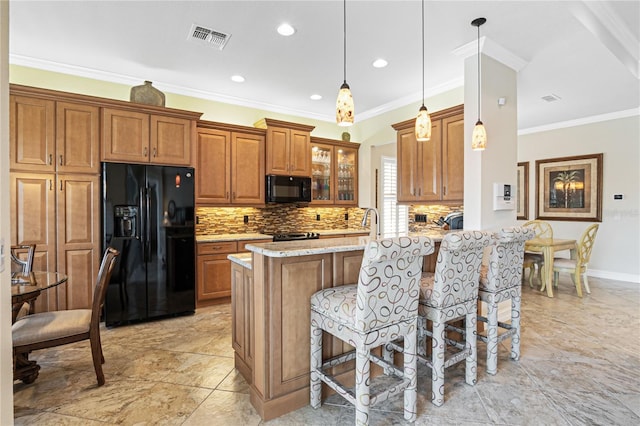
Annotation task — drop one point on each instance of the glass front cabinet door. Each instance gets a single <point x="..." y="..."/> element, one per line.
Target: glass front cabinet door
<point x="334" y="173"/>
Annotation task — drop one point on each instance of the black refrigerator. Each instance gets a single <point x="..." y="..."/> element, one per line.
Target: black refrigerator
<point x="148" y="215"/>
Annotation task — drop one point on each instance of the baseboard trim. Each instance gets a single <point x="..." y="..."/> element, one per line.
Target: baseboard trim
<point x="618" y="276"/>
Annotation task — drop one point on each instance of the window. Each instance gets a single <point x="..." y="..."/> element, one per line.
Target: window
<point x="395" y="218"/>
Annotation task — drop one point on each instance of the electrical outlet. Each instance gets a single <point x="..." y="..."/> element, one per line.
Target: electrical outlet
<point x="317" y="217"/>
<point x="346" y="216"/>
<point x="246" y="219"/>
<point x="421" y="218"/>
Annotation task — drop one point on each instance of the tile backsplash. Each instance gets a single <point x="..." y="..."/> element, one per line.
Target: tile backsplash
<point x="433" y="212"/>
<point x="280" y="218"/>
<point x="275" y="219"/>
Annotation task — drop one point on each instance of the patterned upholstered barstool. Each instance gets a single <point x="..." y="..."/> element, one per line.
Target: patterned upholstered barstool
<point x="381" y="307"/>
<point x="501" y="280"/>
<point x="451" y="294"/>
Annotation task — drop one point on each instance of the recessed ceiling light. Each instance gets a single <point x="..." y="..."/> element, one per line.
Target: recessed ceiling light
<point x="315" y="97"/>
<point x="237" y="78"/>
<point x="286" y="30"/>
<point x="380" y="63"/>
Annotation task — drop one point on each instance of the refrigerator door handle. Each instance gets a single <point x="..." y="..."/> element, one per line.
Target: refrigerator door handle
<point x="147" y="227"/>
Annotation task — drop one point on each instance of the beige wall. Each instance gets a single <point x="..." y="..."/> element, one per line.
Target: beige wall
<point x="6" y="374"/>
<point x="617" y="248"/>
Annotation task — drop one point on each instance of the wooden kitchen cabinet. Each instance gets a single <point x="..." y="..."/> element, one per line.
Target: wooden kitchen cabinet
<point x="230" y="161"/>
<point x="140" y="137"/>
<point x="288" y="147"/>
<point x="432" y="171"/>
<point x="78" y="238"/>
<point x="214" y="272"/>
<point x="334" y="172"/>
<point x="48" y="135"/>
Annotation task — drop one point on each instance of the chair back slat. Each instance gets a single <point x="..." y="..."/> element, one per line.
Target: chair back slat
<point x="506" y="256"/>
<point x="457" y="274"/>
<point x="102" y="282"/>
<point x="541" y="228"/>
<point x="389" y="281"/>
<point x="19" y="264"/>
<point x="585" y="245"/>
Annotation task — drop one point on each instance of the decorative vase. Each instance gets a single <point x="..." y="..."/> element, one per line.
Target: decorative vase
<point x="147" y="94"/>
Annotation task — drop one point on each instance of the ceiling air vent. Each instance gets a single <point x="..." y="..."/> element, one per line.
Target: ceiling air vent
<point x="551" y="98"/>
<point x="207" y="36"/>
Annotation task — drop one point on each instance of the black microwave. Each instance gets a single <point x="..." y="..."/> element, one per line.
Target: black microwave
<point x="288" y="189"/>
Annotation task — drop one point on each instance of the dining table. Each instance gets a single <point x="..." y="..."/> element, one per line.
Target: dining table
<point x="26" y="287"/>
<point x="548" y="247"/>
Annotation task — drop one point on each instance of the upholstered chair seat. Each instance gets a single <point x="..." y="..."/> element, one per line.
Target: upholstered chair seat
<point x="51" y="326"/>
<point x="381" y="307"/>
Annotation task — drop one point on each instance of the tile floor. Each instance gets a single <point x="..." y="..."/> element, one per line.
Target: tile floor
<point x="580" y="365"/>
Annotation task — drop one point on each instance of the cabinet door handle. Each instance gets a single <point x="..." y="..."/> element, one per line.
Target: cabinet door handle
<point x="444" y="190"/>
<point x="50" y="185"/>
<point x="145" y="151"/>
<point x="60" y="185"/>
<point x="61" y="160"/>
<point x="234" y="195"/>
<point x="155" y="152"/>
<point x="419" y="192"/>
<point x="50" y="159"/>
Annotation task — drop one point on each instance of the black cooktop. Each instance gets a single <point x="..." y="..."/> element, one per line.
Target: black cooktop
<point x="291" y="236"/>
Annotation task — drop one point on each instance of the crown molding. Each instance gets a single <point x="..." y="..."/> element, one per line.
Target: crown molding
<point x="492" y="49"/>
<point x="581" y="121"/>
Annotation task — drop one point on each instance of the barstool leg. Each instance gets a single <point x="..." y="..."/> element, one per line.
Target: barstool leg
<point x="492" y="337"/>
<point x="411" y="373"/>
<point x="471" y="335"/>
<point x="362" y="386"/>
<point x="438" y="349"/>
<point x="316" y="364"/>
<point x="515" y="324"/>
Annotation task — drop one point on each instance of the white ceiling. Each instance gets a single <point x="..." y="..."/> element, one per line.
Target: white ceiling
<point x="587" y="53"/>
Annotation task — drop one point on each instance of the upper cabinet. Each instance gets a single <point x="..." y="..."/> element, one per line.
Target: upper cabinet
<point x="433" y="171"/>
<point x="230" y="164"/>
<point x="334" y="170"/>
<point x="288" y="147"/>
<point x="139" y="137"/>
<point x="49" y="136"/>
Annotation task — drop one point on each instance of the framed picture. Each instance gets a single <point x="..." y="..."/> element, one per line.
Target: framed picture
<point x="522" y="193"/>
<point x="569" y="188"/>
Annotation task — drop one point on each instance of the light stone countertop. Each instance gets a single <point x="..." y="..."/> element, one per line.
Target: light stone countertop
<point x="208" y="238"/>
<point x="322" y="246"/>
<point x="242" y="259"/>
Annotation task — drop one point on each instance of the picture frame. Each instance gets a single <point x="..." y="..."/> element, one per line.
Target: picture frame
<point x="522" y="192"/>
<point x="569" y="188"/>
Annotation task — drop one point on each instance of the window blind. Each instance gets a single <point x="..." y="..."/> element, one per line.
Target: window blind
<point x="395" y="217"/>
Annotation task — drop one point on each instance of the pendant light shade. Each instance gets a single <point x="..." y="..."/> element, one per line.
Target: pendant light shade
<point x="423" y="121"/>
<point x="344" y="104"/>
<point x="479" y="136"/>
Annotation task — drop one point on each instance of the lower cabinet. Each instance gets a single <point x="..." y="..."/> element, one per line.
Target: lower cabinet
<point x="214" y="271"/>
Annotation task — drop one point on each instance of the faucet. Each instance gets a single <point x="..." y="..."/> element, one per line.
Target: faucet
<point x="377" y="223"/>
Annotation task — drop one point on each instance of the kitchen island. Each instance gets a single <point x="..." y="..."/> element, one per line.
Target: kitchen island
<point x="271" y="313"/>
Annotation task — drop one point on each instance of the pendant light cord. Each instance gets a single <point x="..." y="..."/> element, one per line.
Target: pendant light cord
<point x="344" y="38"/>
<point x="422" y="52"/>
<point x="478" y="72"/>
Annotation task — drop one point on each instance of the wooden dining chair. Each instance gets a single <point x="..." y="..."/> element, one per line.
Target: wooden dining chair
<point x="532" y="261"/>
<point x="22" y="261"/>
<point x="49" y="329"/>
<point x="577" y="267"/>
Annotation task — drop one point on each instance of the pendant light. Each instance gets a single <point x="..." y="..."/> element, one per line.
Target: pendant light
<point x="344" y="104"/>
<point x="423" y="121"/>
<point x="479" y="136"/>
